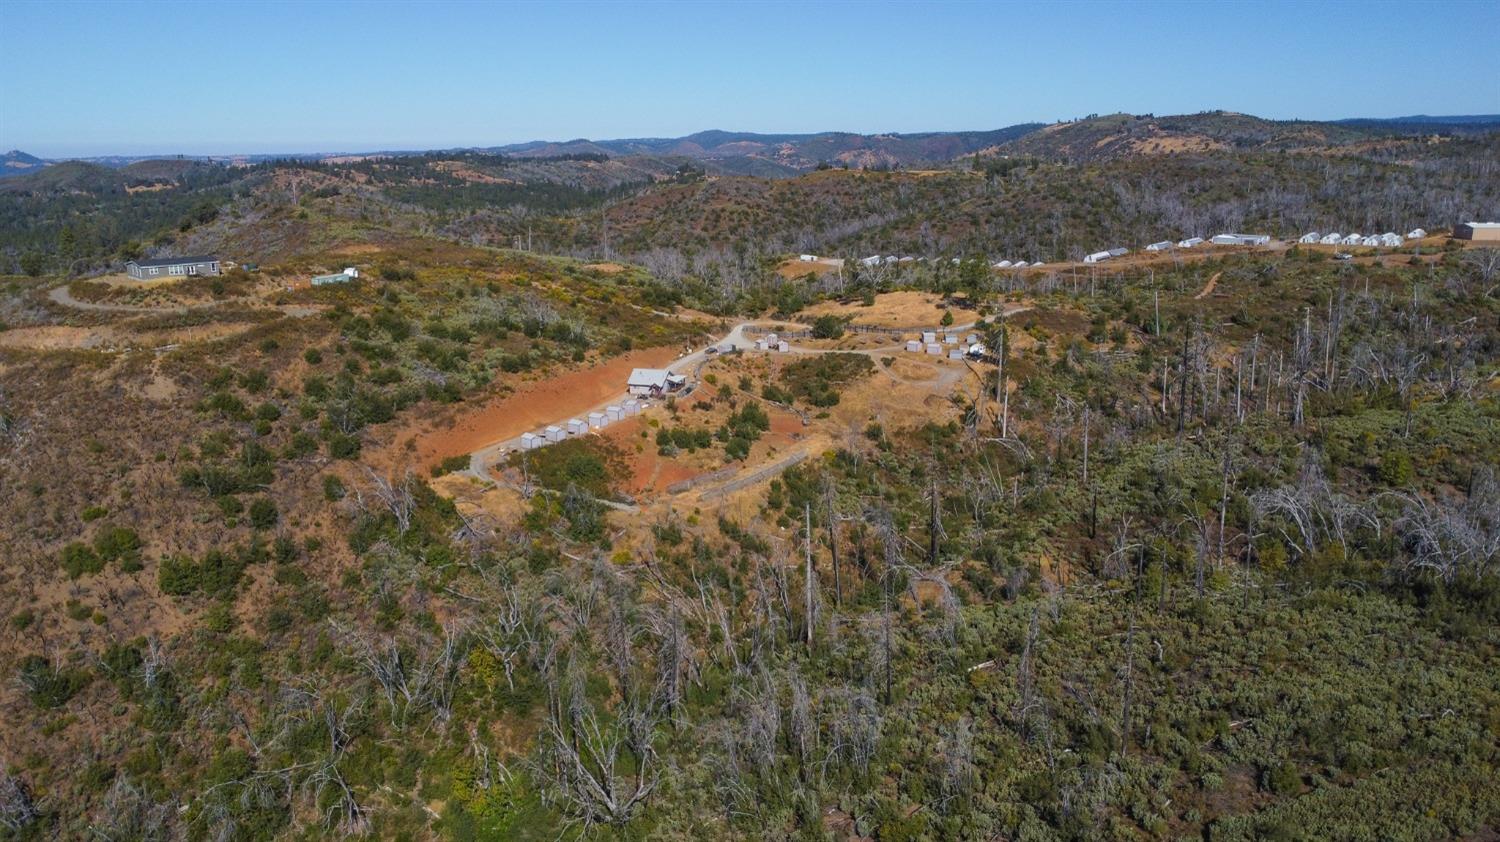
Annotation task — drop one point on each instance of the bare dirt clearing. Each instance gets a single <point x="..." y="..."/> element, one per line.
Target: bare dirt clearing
<point x="891" y="309"/>
<point x="534" y="403"/>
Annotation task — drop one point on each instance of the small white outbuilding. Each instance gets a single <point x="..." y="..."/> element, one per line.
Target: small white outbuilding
<point x="1190" y="242"/>
<point x="1097" y="257"/>
<point x="577" y="426"/>
<point x="1164" y="245"/>
<point x="934" y="349"/>
<point x="914" y="346"/>
<point x="531" y="441"/>
<point x="598" y="419"/>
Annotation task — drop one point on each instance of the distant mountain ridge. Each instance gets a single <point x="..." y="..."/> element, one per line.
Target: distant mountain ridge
<point x="785" y="154"/>
<point x="793" y="152"/>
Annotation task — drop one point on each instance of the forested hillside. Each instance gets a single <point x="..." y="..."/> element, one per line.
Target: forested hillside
<point x="1197" y="548"/>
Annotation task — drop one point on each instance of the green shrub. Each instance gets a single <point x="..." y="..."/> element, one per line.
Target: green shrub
<point x="263" y="514"/>
<point x="79" y="559"/>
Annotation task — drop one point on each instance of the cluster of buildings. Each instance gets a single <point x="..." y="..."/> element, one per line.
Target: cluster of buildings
<point x="576" y="427"/>
<point x="1389" y="239"/>
<point x="950" y="345"/>
<point x="772" y="342"/>
<point x="1190" y="242"/>
<point x="643" y="383"/>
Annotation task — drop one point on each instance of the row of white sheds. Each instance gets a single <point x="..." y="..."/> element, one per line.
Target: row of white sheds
<point x="575" y="427"/>
<point x="1389" y="239"/>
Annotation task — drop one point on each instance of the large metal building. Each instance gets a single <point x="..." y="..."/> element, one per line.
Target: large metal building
<point x="1479" y="232"/>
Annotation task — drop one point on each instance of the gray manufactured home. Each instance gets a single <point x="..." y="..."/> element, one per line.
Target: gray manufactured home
<point x="162" y="267"/>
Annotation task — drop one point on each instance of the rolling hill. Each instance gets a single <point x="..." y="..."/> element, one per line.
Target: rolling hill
<point x="15" y="162"/>
<point x="791" y="152"/>
<point x="1122" y="135"/>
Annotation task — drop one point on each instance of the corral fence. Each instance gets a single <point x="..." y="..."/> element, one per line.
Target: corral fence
<point x="693" y="482"/>
<point x="753" y="477"/>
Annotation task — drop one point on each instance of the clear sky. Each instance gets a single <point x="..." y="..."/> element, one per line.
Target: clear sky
<point x="83" y="78"/>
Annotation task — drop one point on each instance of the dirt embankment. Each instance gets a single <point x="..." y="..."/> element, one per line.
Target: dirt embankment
<point x="534" y="403"/>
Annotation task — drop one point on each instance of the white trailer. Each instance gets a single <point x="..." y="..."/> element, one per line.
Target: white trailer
<point x="914" y="346"/>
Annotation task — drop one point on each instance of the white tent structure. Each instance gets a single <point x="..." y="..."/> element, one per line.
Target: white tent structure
<point x="1391" y="239"/>
<point x="1241" y="240"/>
<point x="1004" y="264"/>
<point x="1332" y="239"/>
<point x="1371" y="240"/>
<point x="1352" y="240"/>
<point x="1019" y="264"/>
<point x="1164" y="245"/>
<point x="1416" y="234"/>
<point x="1309" y="237"/>
<point x="1190" y="242"/>
<point x="1097" y="257"/>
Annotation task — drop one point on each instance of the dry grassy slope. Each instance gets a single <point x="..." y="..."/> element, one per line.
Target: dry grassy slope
<point x="114" y="431"/>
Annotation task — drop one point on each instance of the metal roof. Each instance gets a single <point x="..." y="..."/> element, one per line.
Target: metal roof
<point x="174" y="261"/>
<point x="649" y="377"/>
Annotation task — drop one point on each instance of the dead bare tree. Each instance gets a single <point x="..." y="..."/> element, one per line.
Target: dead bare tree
<point x="395" y="496"/>
<point x="18" y="810"/>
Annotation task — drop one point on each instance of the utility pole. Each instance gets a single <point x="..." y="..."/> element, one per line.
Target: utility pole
<point x="807" y="545"/>
<point x="1085" y="445"/>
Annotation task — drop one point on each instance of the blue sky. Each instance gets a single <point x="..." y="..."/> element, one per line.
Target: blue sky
<point x="81" y="78"/>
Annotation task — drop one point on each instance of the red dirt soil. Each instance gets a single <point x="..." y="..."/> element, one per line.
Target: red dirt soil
<point x="534" y="404"/>
<point x="649" y="471"/>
